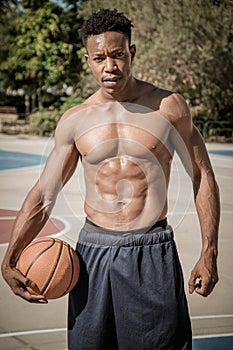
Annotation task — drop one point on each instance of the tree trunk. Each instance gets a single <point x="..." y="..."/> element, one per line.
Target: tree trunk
<point x="40" y="104"/>
<point x="27" y="104"/>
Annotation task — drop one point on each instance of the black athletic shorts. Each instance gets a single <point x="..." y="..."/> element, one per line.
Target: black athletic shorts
<point x="130" y="295"/>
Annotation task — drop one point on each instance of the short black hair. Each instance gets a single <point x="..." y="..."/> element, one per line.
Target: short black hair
<point x="106" y="20"/>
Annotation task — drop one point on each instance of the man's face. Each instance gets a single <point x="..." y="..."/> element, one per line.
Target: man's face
<point x="110" y="59"/>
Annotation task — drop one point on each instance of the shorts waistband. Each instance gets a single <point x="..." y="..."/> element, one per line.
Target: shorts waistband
<point x="158" y="226"/>
<point x="92" y="234"/>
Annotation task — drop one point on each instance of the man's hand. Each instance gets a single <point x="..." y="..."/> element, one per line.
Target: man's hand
<point x="204" y="276"/>
<point x="18" y="283"/>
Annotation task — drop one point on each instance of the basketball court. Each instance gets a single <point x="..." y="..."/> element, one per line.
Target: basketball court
<point x="43" y="327"/>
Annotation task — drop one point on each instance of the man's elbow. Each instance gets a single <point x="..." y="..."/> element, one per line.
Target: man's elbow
<point x="48" y="200"/>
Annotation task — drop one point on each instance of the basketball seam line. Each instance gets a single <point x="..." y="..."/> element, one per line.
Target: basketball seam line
<point x="72" y="272"/>
<point x="54" y="269"/>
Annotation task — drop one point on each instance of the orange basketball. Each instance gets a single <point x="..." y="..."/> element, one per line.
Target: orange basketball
<point x="52" y="265"/>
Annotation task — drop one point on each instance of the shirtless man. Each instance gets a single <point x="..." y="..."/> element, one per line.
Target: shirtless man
<point x="130" y="294"/>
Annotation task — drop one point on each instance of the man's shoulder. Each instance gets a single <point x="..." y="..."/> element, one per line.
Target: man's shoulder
<point x="75" y="111"/>
<point x="160" y="99"/>
<point x="173" y="105"/>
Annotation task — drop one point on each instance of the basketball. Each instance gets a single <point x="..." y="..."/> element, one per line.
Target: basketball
<point x="52" y="265"/>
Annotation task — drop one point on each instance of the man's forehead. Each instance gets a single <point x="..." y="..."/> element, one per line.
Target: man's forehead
<point x="112" y="40"/>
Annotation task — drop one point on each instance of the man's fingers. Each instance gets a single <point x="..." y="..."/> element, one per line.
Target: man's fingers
<point x="203" y="277"/>
<point x="191" y="287"/>
<point x="200" y="286"/>
<point x="22" y="292"/>
<point x="30" y="297"/>
<point x="204" y="288"/>
<point x="19" y="286"/>
<point x="191" y="282"/>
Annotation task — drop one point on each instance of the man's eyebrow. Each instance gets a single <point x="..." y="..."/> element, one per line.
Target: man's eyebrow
<point x="101" y="53"/>
<point x="117" y="49"/>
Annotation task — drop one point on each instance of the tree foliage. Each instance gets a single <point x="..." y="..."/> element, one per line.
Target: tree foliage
<point x="182" y="45"/>
<point x="7" y="14"/>
<point x="42" y="50"/>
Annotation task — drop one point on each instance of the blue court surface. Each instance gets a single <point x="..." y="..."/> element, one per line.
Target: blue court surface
<point x="222" y="152"/>
<point x="215" y="343"/>
<point x="13" y="160"/>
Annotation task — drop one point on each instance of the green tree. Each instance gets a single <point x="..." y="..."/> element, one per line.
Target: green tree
<point x="42" y="53"/>
<point x="7" y="14"/>
<point x="183" y="45"/>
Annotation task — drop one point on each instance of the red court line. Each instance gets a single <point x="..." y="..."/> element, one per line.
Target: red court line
<point x="7" y="218"/>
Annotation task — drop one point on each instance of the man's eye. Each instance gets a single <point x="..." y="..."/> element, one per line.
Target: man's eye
<point x="119" y="54"/>
<point x="98" y="59"/>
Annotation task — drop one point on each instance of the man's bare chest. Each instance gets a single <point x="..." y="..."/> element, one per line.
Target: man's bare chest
<point x="115" y="131"/>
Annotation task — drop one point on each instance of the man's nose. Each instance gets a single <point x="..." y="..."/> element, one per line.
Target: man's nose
<point x="110" y="64"/>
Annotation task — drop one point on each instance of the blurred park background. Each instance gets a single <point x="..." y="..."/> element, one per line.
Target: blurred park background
<point x="182" y="45"/>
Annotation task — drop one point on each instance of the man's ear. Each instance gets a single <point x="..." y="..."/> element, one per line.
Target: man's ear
<point x="87" y="59"/>
<point x="132" y="50"/>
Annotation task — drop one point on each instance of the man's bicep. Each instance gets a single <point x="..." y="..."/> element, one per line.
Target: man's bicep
<point x="182" y="145"/>
<point x="177" y="110"/>
<point x="192" y="151"/>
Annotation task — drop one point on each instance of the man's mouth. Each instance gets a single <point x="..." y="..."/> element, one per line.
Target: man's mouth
<point x="111" y="79"/>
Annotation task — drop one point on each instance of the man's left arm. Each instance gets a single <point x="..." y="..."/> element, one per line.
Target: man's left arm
<point x="190" y="146"/>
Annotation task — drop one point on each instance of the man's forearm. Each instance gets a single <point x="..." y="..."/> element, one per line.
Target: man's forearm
<point x="30" y="220"/>
<point x="208" y="208"/>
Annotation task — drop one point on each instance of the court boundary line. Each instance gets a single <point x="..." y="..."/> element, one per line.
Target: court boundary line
<point x="54" y="330"/>
<point x="209" y="336"/>
<point x="32" y="332"/>
<point x="206" y="317"/>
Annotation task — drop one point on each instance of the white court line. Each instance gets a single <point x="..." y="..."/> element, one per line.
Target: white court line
<point x="7" y="217"/>
<point x="34" y="331"/>
<point x="66" y="224"/>
<point x="213" y="336"/>
<point x="206" y="317"/>
<point x="55" y="330"/>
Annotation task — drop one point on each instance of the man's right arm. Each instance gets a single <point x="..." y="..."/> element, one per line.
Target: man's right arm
<point x="192" y="151"/>
<point x="36" y="208"/>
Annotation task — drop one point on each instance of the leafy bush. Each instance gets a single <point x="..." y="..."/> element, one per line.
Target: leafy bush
<point x="43" y="122"/>
<point x="70" y="101"/>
